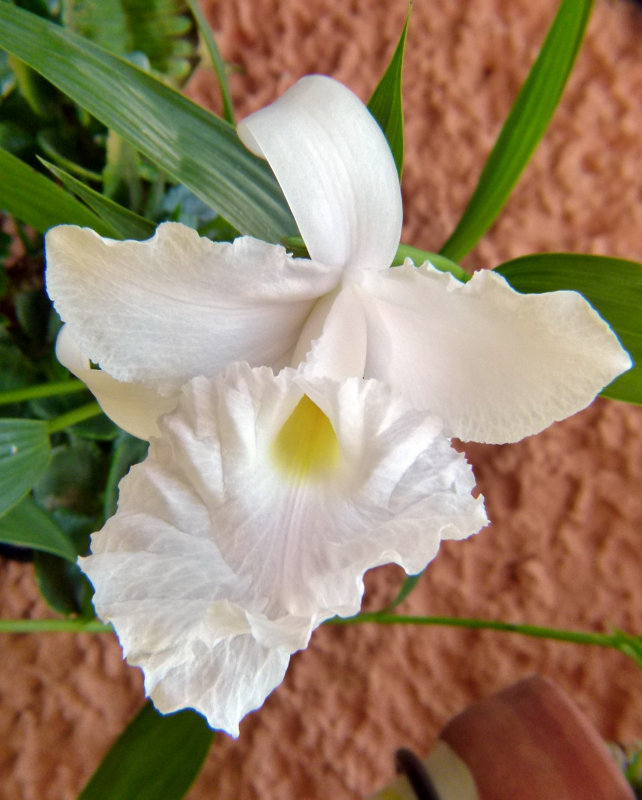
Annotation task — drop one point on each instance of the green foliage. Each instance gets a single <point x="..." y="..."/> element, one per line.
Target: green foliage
<point x="35" y="90"/>
<point x="39" y="202"/>
<point x="613" y="286"/>
<point x="27" y="525"/>
<point x="17" y="372"/>
<point x="121" y="176"/>
<point x="36" y="119"/>
<point x="216" y="59"/>
<point x="158" y="30"/>
<point x="524" y="126"/>
<point x="126" y="223"/>
<point x="32" y="312"/>
<point x="386" y="104"/>
<point x="7" y="77"/>
<point x="64" y="587"/>
<point x="407" y="585"/>
<point x="98" y="427"/>
<point x="24" y="455"/>
<point x="630" y="645"/>
<point x="74" y="478"/>
<point x="155" y="758"/>
<point x="439" y="261"/>
<point x="192" y="145"/>
<point x="127" y="451"/>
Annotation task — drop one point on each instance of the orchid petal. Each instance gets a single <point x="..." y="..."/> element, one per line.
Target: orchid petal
<point x="133" y="407"/>
<point x="220" y="562"/>
<point x="160" y="312"/>
<point x="336" y="171"/>
<point x="334" y="338"/>
<point x="494" y="364"/>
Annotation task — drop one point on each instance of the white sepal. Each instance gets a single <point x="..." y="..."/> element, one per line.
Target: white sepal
<point x="162" y="311"/>
<point x="494" y="364"/>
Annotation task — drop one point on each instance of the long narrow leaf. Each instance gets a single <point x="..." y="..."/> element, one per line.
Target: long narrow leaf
<point x="155" y="758"/>
<point x="38" y="201"/>
<point x="217" y="61"/>
<point x="194" y="146"/>
<point x="524" y="126"/>
<point x="27" y="525"/>
<point x="613" y="286"/>
<point x="128" y="224"/>
<point x="386" y="104"/>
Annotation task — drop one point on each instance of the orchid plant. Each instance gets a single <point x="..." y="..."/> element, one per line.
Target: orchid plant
<point x="299" y="395"/>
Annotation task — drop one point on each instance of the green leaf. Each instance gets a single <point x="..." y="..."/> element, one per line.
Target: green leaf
<point x="36" y="91"/>
<point x="7" y="78"/>
<point x="27" y="525"/>
<point x="24" y="455"/>
<point x="97" y="428"/>
<point x="386" y="104"/>
<point x="53" y="407"/>
<point x="74" y="478"/>
<point x="16" y="373"/>
<point x="630" y="645"/>
<point x="36" y="200"/>
<point x="155" y="758"/>
<point x="409" y="583"/>
<point x="14" y="139"/>
<point x="439" y="261"/>
<point x="157" y="28"/>
<point x="121" y="179"/>
<point x="524" y="126"/>
<point x="33" y="308"/>
<point x="216" y="59"/>
<point x="125" y="222"/>
<point x="128" y="450"/>
<point x="192" y="145"/>
<point x="613" y="286"/>
<point x="5" y="244"/>
<point x="63" y="146"/>
<point x="63" y="585"/>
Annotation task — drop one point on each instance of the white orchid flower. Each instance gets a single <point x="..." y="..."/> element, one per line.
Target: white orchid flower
<point x="253" y="520"/>
<point x="496" y="365"/>
<point x="265" y="497"/>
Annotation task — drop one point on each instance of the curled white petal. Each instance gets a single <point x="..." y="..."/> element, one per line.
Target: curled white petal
<point x="135" y="408"/>
<point x="494" y="364"/>
<point x="219" y="564"/>
<point x="336" y="171"/>
<point x="162" y="311"/>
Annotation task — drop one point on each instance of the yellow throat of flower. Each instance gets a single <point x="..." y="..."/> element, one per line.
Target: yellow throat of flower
<point x="306" y="446"/>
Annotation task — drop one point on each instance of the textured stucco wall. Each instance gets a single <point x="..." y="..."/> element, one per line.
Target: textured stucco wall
<point x="564" y="547"/>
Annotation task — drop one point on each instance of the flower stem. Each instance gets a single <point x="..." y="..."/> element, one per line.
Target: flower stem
<point x="73" y="417"/>
<point x="53" y="626"/>
<point x="577" y="637"/>
<point x="39" y="391"/>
